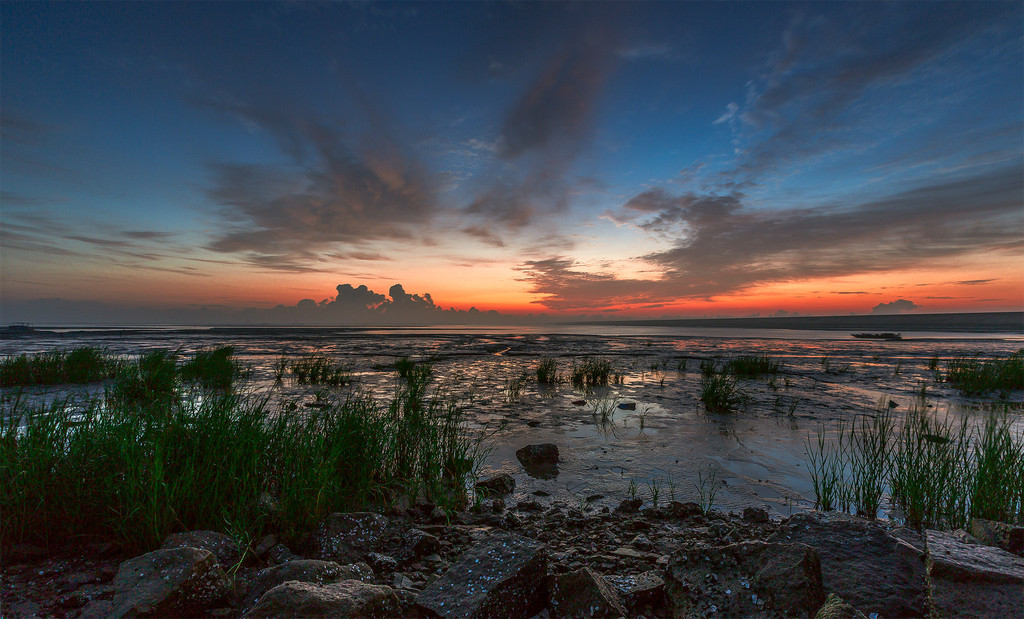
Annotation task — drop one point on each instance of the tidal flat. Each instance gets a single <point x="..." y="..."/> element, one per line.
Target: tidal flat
<point x="647" y="433"/>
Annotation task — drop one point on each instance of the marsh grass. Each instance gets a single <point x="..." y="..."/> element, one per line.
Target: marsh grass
<point x="149" y="382"/>
<point x="720" y="394"/>
<point x="224" y="462"/>
<point x="318" y="369"/>
<point x="85" y="364"/>
<point x="590" y="373"/>
<point x="514" y="386"/>
<point x="706" y="487"/>
<point x="752" y="366"/>
<point x="938" y="472"/>
<point x="212" y="369"/>
<point x="547" y="371"/>
<point x="972" y="375"/>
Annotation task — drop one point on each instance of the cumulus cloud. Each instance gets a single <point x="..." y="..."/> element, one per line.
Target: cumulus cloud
<point x="895" y="307"/>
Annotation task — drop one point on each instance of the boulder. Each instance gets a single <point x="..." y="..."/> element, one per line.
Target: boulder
<point x="1006" y="536"/>
<point x="835" y="608"/>
<point x="175" y="582"/>
<point x="876" y="569"/>
<point x="347" y="538"/>
<point x="222" y="546"/>
<point x="417" y="543"/>
<point x="311" y="571"/>
<point x="973" y="580"/>
<point x="755" y="514"/>
<point x="497" y="485"/>
<point x="744" y="579"/>
<point x="584" y="593"/>
<point x="499" y="577"/>
<point x="346" y="598"/>
<point x="639" y="591"/>
<point x="540" y="461"/>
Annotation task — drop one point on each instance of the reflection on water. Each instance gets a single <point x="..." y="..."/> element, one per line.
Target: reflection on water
<point x="647" y="433"/>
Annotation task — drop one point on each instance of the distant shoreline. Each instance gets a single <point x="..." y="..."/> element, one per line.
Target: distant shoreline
<point x="982" y="322"/>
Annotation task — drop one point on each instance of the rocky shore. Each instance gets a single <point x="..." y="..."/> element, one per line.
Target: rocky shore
<point x="538" y="559"/>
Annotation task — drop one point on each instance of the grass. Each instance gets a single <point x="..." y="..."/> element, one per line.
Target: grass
<point x="972" y="375"/>
<point x="752" y="366"/>
<point x="85" y="364"/>
<point x="212" y="369"/>
<point x="319" y="369"/>
<point x="224" y="462"/>
<point x="547" y="371"/>
<point x="590" y="373"/>
<point x="938" y="472"/>
<point x="720" y="394"/>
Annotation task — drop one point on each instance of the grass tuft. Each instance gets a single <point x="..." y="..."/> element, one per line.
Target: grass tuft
<point x="85" y="364"/>
<point x="752" y="366"/>
<point x="547" y="371"/>
<point x="972" y="376"/>
<point x="591" y="372"/>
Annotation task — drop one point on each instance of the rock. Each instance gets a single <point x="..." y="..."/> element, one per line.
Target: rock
<point x="973" y="580"/>
<point x="584" y="593"/>
<point x="401" y="581"/>
<point x="311" y="571"/>
<point x="579" y="402"/>
<point x="529" y="506"/>
<point x="347" y="538"/>
<point x="263" y="546"/>
<point x="627" y="406"/>
<point x="222" y="546"/>
<point x="381" y="564"/>
<point x="540" y="461"/>
<point x="641" y="542"/>
<point x="835" y="608"/>
<point x="346" y="598"/>
<point x="499" y="577"/>
<point x="874" y="569"/>
<point x="1006" y="536"/>
<point x="629" y="506"/>
<point x="755" y="514"/>
<point x="418" y="543"/>
<point x="498" y="485"/>
<point x="639" y="591"/>
<point x="279" y="553"/>
<point x="745" y="579"/>
<point x="675" y="509"/>
<point x="175" y="582"/>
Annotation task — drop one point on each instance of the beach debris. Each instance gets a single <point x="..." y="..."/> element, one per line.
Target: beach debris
<point x="346" y="598"/>
<point x="495" y="578"/>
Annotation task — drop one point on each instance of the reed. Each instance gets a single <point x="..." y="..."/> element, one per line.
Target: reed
<point x="720" y="394"/>
<point x="319" y="369"/>
<point x="212" y="369"/>
<point x="85" y="364"/>
<point x="221" y="462"/>
<point x="752" y="366"/>
<point x="547" y="371"/>
<point x="591" y="372"/>
<point x="972" y="375"/>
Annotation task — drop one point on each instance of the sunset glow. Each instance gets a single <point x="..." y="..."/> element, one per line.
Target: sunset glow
<point x="210" y="162"/>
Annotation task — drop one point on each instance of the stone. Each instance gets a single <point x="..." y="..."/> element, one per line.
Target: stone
<point x="347" y="538"/>
<point x="744" y="579"/>
<point x="627" y="406"/>
<point x="1006" y="536"/>
<point x="346" y="598"/>
<point x="639" y="591"/>
<point x="755" y="514"/>
<point x="629" y="506"/>
<point x="497" y="485"/>
<point x="973" y="580"/>
<point x="222" y="546"/>
<point x="675" y="509"/>
<point x="641" y="542"/>
<point x="499" y="577"/>
<point x="174" y="581"/>
<point x="418" y="543"/>
<point x="835" y="608"/>
<point x="875" y="569"/>
<point x="540" y="461"/>
<point x="382" y="564"/>
<point x="263" y="546"/>
<point x="311" y="571"/>
<point x="584" y="593"/>
<point x="279" y="553"/>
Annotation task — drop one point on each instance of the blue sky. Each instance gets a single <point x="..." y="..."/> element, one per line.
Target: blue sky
<point x="610" y="158"/>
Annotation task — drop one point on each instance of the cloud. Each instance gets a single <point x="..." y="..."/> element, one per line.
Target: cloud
<point x="895" y="307"/>
<point x="728" y="114"/>
<point x="721" y="246"/>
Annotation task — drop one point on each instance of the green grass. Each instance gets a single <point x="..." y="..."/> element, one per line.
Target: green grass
<point x="224" y="462"/>
<point x="591" y="372"/>
<point x="319" y="369"/>
<point x="212" y="369"/>
<point x="752" y="366"/>
<point x="547" y="371"/>
<point x="149" y="382"/>
<point x="938" y="473"/>
<point x="972" y="375"/>
<point x="85" y="364"/>
<point x="720" y="394"/>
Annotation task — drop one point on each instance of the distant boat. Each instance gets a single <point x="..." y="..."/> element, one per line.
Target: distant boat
<point x="878" y="336"/>
<point x="19" y="327"/>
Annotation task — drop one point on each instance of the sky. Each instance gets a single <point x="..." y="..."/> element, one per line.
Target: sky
<point x="351" y="162"/>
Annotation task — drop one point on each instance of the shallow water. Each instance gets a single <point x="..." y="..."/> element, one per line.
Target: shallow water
<point x="665" y="447"/>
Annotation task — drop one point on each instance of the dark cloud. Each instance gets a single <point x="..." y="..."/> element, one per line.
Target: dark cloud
<point x="723" y="247"/>
<point x="895" y="307"/>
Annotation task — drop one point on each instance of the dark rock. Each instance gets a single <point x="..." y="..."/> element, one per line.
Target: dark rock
<point x="263" y="546"/>
<point x="639" y="591"/>
<point x="497" y="485"/>
<point x="641" y="542"/>
<point x="222" y="546"/>
<point x="417" y="543"/>
<point x="874" y="569"/>
<point x="755" y="514"/>
<point x="279" y="553"/>
<point x="381" y="564"/>
<point x="499" y="577"/>
<point x="584" y="593"/>
<point x="1006" y="536"/>
<point x="346" y="598"/>
<point x="676" y="509"/>
<point x="627" y="406"/>
<point x="347" y="538"/>
<point x="529" y="506"/>
<point x="594" y="497"/>
<point x="579" y="402"/>
<point x="973" y="580"/>
<point x="629" y="506"/>
<point x="745" y="579"/>
<point x="311" y="571"/>
<point x="539" y="461"/>
<point x="835" y="608"/>
<point x="175" y="582"/>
